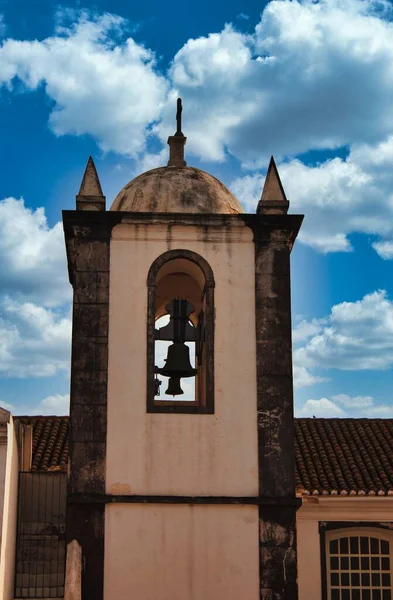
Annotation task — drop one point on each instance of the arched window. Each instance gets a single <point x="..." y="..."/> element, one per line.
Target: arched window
<point x="359" y="564"/>
<point x="180" y="334"/>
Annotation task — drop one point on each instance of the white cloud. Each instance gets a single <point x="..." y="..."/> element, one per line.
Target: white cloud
<point x="209" y="74"/>
<point x="306" y="91"/>
<point x="356" y="406"/>
<point x="320" y="408"/>
<point x="248" y="190"/>
<point x="303" y="378"/>
<point x="101" y="85"/>
<point x="384" y="249"/>
<point x="296" y="84"/>
<point x="383" y="411"/>
<point x="34" y="340"/>
<point x="35" y="321"/>
<point x="150" y="161"/>
<point x="357" y="336"/>
<point x="306" y="329"/>
<point x="57" y="404"/>
<point x="354" y="401"/>
<point x="354" y="336"/>
<point x="32" y="255"/>
<point x="338" y="197"/>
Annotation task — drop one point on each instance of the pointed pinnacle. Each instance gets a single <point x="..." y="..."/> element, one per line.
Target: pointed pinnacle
<point x="273" y="199"/>
<point x="273" y="190"/>
<point x="90" y="185"/>
<point x="90" y="195"/>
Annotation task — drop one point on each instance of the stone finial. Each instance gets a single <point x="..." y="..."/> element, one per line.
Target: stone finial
<point x="177" y="142"/>
<point x="273" y="200"/>
<point x="90" y="195"/>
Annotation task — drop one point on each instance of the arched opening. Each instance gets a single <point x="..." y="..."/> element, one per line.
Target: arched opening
<point x="359" y="563"/>
<point x="180" y="334"/>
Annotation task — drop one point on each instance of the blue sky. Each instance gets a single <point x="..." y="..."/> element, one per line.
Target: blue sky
<point x="310" y="82"/>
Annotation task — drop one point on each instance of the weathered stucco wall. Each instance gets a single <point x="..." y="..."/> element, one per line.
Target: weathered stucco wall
<point x="182" y="454"/>
<point x="3" y="463"/>
<point x="314" y="510"/>
<point x="309" y="559"/>
<point x="166" y="552"/>
<point x="7" y="554"/>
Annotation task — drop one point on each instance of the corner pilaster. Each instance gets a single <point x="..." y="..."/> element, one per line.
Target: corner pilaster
<point x="273" y="237"/>
<point x="88" y="246"/>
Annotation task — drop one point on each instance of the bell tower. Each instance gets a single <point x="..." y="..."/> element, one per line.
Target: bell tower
<point x="182" y="472"/>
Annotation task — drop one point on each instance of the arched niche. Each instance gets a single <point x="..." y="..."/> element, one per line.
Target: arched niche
<point x="182" y="276"/>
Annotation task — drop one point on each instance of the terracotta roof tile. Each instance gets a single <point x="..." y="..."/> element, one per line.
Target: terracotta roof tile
<point x="333" y="456"/>
<point x="344" y="456"/>
<point x="50" y="442"/>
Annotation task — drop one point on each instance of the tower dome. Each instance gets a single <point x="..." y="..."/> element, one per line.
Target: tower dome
<point x="176" y="188"/>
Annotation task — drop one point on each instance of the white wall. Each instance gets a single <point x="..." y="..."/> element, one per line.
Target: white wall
<point x="178" y="453"/>
<point x="178" y="552"/>
<point x="309" y="559"/>
<point x="8" y="542"/>
<point x="169" y="552"/>
<point x="3" y="465"/>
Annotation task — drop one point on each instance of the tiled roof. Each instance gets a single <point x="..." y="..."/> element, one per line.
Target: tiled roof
<point x="50" y="442"/>
<point x="344" y="457"/>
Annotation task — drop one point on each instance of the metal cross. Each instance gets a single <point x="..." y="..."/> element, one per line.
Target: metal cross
<point x="178" y="117"/>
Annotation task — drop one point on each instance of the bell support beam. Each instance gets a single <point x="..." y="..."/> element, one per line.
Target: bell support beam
<point x="273" y="238"/>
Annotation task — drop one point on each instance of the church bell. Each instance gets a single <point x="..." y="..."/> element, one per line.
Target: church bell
<point x="174" y="388"/>
<point x="177" y="362"/>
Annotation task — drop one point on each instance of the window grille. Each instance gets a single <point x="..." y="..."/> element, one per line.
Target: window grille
<point x="359" y="565"/>
<point x="40" y="543"/>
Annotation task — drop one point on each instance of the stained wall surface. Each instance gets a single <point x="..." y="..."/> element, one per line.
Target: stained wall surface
<point x="167" y="552"/>
<point x="180" y="454"/>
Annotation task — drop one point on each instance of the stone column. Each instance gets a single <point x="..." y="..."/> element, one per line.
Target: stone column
<point x="88" y="256"/>
<point x="277" y="515"/>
